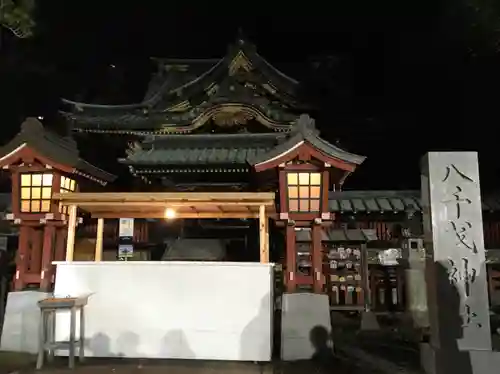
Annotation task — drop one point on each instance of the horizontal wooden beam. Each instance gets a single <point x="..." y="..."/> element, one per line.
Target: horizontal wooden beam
<point x="32" y="278"/>
<point x="192" y="215"/>
<point x="160" y="204"/>
<point x="164" y="197"/>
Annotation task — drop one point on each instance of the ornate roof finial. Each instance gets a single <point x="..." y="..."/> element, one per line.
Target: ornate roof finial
<point x="241" y="36"/>
<point x="306" y="124"/>
<point x="31" y="124"/>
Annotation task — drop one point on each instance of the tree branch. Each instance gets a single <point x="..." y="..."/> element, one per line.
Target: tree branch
<point x="16" y="17"/>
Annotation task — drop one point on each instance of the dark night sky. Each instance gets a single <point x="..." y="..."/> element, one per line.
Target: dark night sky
<point x="391" y="80"/>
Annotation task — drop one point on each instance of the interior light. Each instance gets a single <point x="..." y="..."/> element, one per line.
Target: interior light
<point x="169" y="213"/>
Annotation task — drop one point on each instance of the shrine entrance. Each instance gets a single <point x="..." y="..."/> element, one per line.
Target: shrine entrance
<point x="169" y="206"/>
<point x="174" y="296"/>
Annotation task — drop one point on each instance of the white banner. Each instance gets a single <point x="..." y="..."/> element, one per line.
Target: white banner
<point x="126" y="227"/>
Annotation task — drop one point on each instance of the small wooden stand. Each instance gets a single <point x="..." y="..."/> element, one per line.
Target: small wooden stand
<point x="49" y="307"/>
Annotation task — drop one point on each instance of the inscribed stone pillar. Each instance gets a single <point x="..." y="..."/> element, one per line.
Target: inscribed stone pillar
<point x="455" y="261"/>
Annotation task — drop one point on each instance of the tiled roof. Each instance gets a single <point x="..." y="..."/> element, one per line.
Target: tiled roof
<point x="374" y="201"/>
<point x="60" y="149"/>
<point x="187" y="86"/>
<point x="199" y="150"/>
<point x="305" y="130"/>
<point x="388" y="201"/>
<point x="339" y="235"/>
<point x="228" y="149"/>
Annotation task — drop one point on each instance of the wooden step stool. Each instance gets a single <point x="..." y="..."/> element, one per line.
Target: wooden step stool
<point x="47" y="343"/>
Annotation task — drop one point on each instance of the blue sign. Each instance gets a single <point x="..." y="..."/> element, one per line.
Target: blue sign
<point x="125" y="250"/>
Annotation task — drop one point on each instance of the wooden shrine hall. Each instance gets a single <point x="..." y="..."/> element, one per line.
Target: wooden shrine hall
<point x="233" y="124"/>
<point x="301" y="164"/>
<point x="218" y="149"/>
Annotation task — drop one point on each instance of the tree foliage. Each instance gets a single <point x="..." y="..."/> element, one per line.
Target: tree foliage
<point x="17" y="17"/>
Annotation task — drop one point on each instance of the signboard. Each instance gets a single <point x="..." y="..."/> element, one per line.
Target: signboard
<point x="389" y="257"/>
<point x="458" y="296"/>
<point x="125" y="251"/>
<point x="126" y="227"/>
<point x="126" y="237"/>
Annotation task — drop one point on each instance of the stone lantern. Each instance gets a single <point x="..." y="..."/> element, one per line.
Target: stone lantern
<point x="41" y="163"/>
<point x="307" y="167"/>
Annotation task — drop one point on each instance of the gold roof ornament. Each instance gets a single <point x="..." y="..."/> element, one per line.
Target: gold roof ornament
<point x="231" y="118"/>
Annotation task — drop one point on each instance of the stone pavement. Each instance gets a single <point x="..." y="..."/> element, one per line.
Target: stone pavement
<point x="26" y="364"/>
<point x="354" y="356"/>
<point x="13" y="361"/>
<point x="140" y="366"/>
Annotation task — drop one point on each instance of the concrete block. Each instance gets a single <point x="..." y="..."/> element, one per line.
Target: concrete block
<point x="303" y="313"/>
<point x="21" y="323"/>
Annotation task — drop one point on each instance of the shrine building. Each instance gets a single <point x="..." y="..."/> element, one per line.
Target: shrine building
<point x="233" y="187"/>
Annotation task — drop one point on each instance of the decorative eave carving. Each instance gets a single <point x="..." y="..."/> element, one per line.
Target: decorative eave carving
<point x="180" y="107"/>
<point x="237" y="113"/>
<point x="133" y="147"/>
<point x="232" y="118"/>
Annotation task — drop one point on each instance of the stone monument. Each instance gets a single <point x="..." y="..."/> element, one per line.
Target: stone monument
<point x="455" y="267"/>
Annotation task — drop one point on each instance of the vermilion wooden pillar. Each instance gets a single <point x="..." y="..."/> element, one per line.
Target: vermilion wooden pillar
<point x="49" y="239"/>
<point x="291" y="258"/>
<point x="60" y="247"/>
<point x="58" y="250"/>
<point x="38" y="247"/>
<point x="22" y="257"/>
<point x="317" y="256"/>
<point x="35" y="255"/>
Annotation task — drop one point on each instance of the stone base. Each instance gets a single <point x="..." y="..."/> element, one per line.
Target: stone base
<point x="305" y="317"/>
<point x="21" y="322"/>
<point x="466" y="362"/>
<point x="369" y="321"/>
